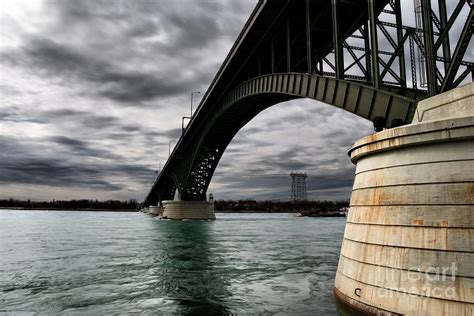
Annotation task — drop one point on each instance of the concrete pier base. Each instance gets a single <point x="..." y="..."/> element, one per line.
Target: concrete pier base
<point x="197" y="210"/>
<point x="155" y="210"/>
<point x="408" y="244"/>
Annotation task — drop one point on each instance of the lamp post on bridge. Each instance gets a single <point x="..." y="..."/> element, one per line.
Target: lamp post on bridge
<point x="192" y="94"/>
<point x="191" y="116"/>
<point x="169" y="147"/>
<point x="182" y="122"/>
<point x="155" y="177"/>
<point x="157" y="174"/>
<point x="158" y="171"/>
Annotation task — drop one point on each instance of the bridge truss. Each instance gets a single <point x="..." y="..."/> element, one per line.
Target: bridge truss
<point x="359" y="55"/>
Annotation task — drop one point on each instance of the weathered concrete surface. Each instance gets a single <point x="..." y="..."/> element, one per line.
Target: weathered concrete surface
<point x="188" y="210"/>
<point x="155" y="210"/>
<point x="454" y="103"/>
<point x="408" y="245"/>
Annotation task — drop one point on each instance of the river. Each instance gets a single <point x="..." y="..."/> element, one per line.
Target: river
<point x="119" y="263"/>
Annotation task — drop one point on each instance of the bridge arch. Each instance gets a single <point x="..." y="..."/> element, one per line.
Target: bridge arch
<point x="167" y="190"/>
<point x="248" y="99"/>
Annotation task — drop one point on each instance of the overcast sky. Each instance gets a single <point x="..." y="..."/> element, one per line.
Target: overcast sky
<point x="93" y="91"/>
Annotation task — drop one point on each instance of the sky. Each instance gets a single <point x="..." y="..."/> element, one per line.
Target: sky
<point x="92" y="94"/>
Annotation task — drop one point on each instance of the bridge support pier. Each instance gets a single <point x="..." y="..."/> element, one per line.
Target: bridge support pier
<point x="198" y="210"/>
<point x="155" y="210"/>
<point x="408" y="243"/>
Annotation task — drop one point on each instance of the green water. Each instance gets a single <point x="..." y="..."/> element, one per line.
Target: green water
<point x="119" y="263"/>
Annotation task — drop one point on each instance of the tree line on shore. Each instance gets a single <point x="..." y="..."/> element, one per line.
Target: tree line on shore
<point x="279" y="206"/>
<point x="271" y="206"/>
<point x="82" y="204"/>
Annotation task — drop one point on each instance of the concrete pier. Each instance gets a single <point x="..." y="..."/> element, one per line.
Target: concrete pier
<point x="198" y="210"/>
<point x="408" y="245"/>
<point x="155" y="210"/>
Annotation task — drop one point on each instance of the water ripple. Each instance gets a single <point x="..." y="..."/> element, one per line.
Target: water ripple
<point x="100" y="263"/>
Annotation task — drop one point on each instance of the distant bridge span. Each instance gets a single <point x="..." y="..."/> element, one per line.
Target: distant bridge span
<point x="326" y="51"/>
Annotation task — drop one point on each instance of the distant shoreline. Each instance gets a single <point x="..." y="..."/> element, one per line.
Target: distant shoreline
<point x="220" y="206"/>
<point x="131" y="211"/>
<point x="66" y="209"/>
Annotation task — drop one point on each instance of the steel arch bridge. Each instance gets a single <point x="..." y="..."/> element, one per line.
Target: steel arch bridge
<point x="357" y="55"/>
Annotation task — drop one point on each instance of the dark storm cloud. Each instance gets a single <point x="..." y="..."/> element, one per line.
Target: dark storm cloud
<point x="191" y="24"/>
<point x="69" y="142"/>
<point x="148" y="139"/>
<point x="194" y="30"/>
<point x="100" y="121"/>
<point x="286" y="160"/>
<point x="19" y="164"/>
<point x="109" y="80"/>
<point x="64" y="113"/>
<point x="104" y="63"/>
<point x="87" y="120"/>
<point x="336" y="180"/>
<point x="113" y="127"/>
<point x="53" y="173"/>
<point x="131" y="128"/>
<point x="60" y="173"/>
<point x="81" y="148"/>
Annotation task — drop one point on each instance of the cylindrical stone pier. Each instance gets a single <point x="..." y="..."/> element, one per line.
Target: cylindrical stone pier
<point x="198" y="210"/>
<point x="155" y="210"/>
<point x="408" y="245"/>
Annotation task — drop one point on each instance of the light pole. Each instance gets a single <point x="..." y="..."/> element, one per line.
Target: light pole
<point x="182" y="122"/>
<point x="169" y="146"/>
<point x="192" y="94"/>
<point x="191" y="116"/>
<point x="158" y="171"/>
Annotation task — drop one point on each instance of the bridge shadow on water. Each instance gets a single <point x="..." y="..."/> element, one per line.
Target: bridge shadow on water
<point x="187" y="269"/>
<point x="237" y="266"/>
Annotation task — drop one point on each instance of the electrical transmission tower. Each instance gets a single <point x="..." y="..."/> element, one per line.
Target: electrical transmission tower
<point x="298" y="186"/>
